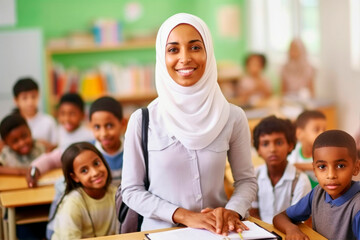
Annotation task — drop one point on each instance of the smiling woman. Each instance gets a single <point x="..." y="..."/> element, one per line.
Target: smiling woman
<point x="185" y="55"/>
<point x="192" y="131"/>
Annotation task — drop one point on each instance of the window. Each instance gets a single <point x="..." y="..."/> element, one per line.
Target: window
<point x="273" y="24"/>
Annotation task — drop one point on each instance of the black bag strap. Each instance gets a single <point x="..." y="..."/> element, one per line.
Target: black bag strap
<point x="144" y="143"/>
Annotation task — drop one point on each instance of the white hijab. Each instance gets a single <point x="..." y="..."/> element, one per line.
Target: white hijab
<point x="195" y="115"/>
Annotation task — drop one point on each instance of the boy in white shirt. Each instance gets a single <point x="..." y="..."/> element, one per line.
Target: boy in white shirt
<point x="71" y="118"/>
<point x="43" y="126"/>
<point x="309" y="125"/>
<point x="280" y="184"/>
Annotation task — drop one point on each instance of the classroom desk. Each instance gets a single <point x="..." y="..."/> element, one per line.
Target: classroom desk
<point x="141" y="235"/>
<point x="14" y="192"/>
<point x="10" y="182"/>
<point x="285" y="109"/>
<point x="22" y="198"/>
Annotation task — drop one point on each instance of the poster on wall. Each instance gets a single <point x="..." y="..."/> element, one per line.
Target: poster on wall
<point x="229" y="21"/>
<point x="7" y="13"/>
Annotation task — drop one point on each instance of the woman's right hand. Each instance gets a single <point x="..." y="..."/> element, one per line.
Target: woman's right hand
<point x="191" y="219"/>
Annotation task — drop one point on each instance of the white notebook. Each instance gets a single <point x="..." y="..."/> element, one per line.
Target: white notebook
<point x="254" y="232"/>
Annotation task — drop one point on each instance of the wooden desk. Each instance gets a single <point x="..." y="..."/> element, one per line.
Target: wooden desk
<point x="10" y="182"/>
<point x="141" y="235"/>
<point x="39" y="196"/>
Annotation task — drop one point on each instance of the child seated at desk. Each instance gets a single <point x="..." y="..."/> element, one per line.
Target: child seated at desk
<point x="334" y="204"/>
<point x="309" y="124"/>
<point x="43" y="126"/>
<point x="20" y="149"/>
<point x="280" y="184"/>
<point x="254" y="87"/>
<point x="71" y="117"/>
<point x="108" y="126"/>
<point x="88" y="206"/>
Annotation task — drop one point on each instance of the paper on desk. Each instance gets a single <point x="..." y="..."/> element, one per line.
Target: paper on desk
<point x="255" y="232"/>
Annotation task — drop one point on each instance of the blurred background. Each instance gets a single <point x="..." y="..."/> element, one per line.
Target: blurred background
<point x="102" y="47"/>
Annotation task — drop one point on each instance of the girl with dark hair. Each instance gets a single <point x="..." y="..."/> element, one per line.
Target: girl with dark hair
<point x="87" y="208"/>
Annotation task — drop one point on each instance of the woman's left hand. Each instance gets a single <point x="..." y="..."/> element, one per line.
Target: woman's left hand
<point x="226" y="220"/>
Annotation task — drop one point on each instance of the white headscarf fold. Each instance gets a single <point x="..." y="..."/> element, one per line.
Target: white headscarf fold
<point x="195" y="115"/>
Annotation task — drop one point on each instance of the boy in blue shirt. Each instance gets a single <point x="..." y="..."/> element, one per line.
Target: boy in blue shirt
<point x="334" y="204"/>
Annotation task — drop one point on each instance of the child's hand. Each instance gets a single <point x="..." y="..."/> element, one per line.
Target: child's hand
<point x="296" y="234"/>
<point x="32" y="175"/>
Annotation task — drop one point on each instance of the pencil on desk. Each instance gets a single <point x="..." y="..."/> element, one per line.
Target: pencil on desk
<point x="241" y="237"/>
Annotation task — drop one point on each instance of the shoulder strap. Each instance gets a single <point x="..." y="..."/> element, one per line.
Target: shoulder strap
<point x="144" y="143"/>
<point x="293" y="185"/>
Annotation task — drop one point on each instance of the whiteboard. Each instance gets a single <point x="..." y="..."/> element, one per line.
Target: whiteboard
<point x="21" y="54"/>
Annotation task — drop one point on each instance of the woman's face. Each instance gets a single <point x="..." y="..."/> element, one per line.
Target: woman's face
<point x="185" y="55"/>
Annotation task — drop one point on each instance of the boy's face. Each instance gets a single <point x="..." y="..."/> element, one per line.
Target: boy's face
<point x="19" y="140"/>
<point x="27" y="102"/>
<point x="107" y="129"/>
<point x="334" y="169"/>
<point x="274" y="148"/>
<point x="313" y="128"/>
<point x="70" y="116"/>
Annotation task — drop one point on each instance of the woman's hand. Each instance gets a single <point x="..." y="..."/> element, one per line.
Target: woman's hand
<point x="195" y="220"/>
<point x="226" y="220"/>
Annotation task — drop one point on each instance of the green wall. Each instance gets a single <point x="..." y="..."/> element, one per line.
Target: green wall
<point x="58" y="18"/>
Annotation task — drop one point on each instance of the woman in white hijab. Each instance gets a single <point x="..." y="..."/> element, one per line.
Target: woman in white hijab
<point x="192" y="130"/>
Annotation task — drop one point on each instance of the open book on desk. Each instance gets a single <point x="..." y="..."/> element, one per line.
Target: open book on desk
<point x="254" y="232"/>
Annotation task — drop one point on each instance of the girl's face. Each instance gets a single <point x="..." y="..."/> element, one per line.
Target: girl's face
<point x="90" y="171"/>
<point x="185" y="55"/>
<point x="70" y="116"/>
<point x="107" y="129"/>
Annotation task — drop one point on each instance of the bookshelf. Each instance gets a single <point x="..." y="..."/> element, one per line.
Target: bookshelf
<point x="84" y="58"/>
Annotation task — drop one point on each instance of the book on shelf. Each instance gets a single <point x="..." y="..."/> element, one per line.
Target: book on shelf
<point x="107" y="78"/>
<point x="107" y="32"/>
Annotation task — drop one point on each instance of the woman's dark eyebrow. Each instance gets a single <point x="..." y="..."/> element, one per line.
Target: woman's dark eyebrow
<point x="195" y="40"/>
<point x="191" y="41"/>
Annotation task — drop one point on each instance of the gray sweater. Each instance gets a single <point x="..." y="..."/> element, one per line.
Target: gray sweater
<point x="334" y="219"/>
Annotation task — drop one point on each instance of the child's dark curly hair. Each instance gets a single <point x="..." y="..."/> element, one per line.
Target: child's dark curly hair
<point x="272" y="124"/>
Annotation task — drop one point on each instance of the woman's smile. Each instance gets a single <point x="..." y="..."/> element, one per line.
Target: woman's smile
<point x="185" y="55"/>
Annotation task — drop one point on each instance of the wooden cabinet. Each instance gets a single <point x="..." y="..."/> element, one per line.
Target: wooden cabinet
<point x="91" y="57"/>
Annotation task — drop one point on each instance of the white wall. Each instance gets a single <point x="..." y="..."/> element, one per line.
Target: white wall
<point x="337" y="80"/>
<point x="20" y="56"/>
